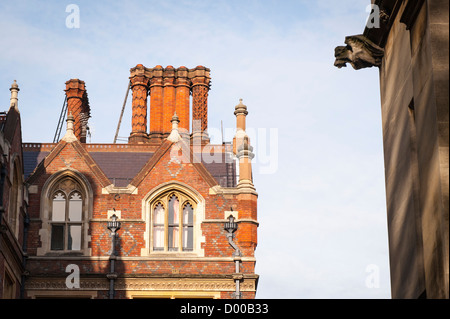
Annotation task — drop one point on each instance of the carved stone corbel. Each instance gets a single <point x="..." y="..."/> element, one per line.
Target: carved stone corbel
<point x="360" y="52"/>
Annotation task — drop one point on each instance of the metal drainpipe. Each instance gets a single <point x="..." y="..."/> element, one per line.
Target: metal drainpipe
<point x="237" y="278"/>
<point x="231" y="227"/>
<point x="113" y="226"/>
<point x="112" y="259"/>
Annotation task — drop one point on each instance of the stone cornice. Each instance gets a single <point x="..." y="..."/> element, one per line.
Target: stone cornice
<point x="231" y="190"/>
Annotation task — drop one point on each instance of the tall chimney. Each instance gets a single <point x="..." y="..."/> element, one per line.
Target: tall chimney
<point x="169" y="90"/>
<point x="139" y="88"/>
<point x="78" y="106"/>
<point x="200" y="87"/>
<point x="156" y="104"/>
<point x="168" y="99"/>
<point x="182" y="99"/>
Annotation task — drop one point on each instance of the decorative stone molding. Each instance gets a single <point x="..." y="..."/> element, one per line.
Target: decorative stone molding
<point x="217" y="189"/>
<point x="60" y="284"/>
<point x="360" y="52"/>
<point x="248" y="283"/>
<point x="112" y="189"/>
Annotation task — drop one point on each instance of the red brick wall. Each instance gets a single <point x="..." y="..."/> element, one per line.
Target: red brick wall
<point x="131" y="235"/>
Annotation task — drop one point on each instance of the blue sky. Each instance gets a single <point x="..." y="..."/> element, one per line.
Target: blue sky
<point x="316" y="129"/>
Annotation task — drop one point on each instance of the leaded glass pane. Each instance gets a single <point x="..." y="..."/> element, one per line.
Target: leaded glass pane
<point x="158" y="228"/>
<point x="59" y="207"/>
<point x="57" y="237"/>
<point x="174" y="207"/>
<point x="74" y="240"/>
<point x="188" y="229"/>
<point x="75" y="207"/>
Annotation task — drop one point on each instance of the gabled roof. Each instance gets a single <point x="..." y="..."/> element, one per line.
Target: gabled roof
<point x="122" y="164"/>
<point x="163" y="149"/>
<point x="104" y="181"/>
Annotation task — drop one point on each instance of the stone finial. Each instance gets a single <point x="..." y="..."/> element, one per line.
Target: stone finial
<point x="240" y="108"/>
<point x="175" y="120"/>
<point x="174" y="135"/>
<point x="69" y="136"/>
<point x="14" y="92"/>
<point x="15" y="85"/>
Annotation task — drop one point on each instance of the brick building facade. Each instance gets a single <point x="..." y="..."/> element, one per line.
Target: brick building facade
<point x="170" y="189"/>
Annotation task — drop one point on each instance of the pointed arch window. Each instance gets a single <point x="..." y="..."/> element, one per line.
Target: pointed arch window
<point x="173" y="223"/>
<point x="67" y="217"/>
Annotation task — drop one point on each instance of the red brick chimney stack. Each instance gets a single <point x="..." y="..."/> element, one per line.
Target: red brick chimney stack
<point x="78" y="106"/>
<point x="200" y="87"/>
<point x="182" y="106"/>
<point x="139" y="88"/>
<point x="156" y="104"/>
<point x="168" y="99"/>
<point x="169" y="90"/>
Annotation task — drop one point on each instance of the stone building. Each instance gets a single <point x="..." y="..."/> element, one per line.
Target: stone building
<point x="151" y="218"/>
<point x="408" y="41"/>
<point x="13" y="201"/>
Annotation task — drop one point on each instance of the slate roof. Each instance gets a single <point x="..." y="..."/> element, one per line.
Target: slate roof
<point x="122" y="167"/>
<point x="31" y="159"/>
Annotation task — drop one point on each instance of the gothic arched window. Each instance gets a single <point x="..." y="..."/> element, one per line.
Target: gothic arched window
<point x="66" y="218"/>
<point x="173" y="223"/>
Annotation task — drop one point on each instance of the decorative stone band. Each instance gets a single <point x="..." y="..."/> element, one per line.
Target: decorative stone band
<point x="225" y="283"/>
<point x="360" y="52"/>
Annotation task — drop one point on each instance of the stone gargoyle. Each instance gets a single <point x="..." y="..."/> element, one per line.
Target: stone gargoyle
<point x="360" y="52"/>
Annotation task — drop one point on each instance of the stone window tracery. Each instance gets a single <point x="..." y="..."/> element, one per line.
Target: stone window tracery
<point x="66" y="209"/>
<point x="172" y="221"/>
<point x="66" y="217"/>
